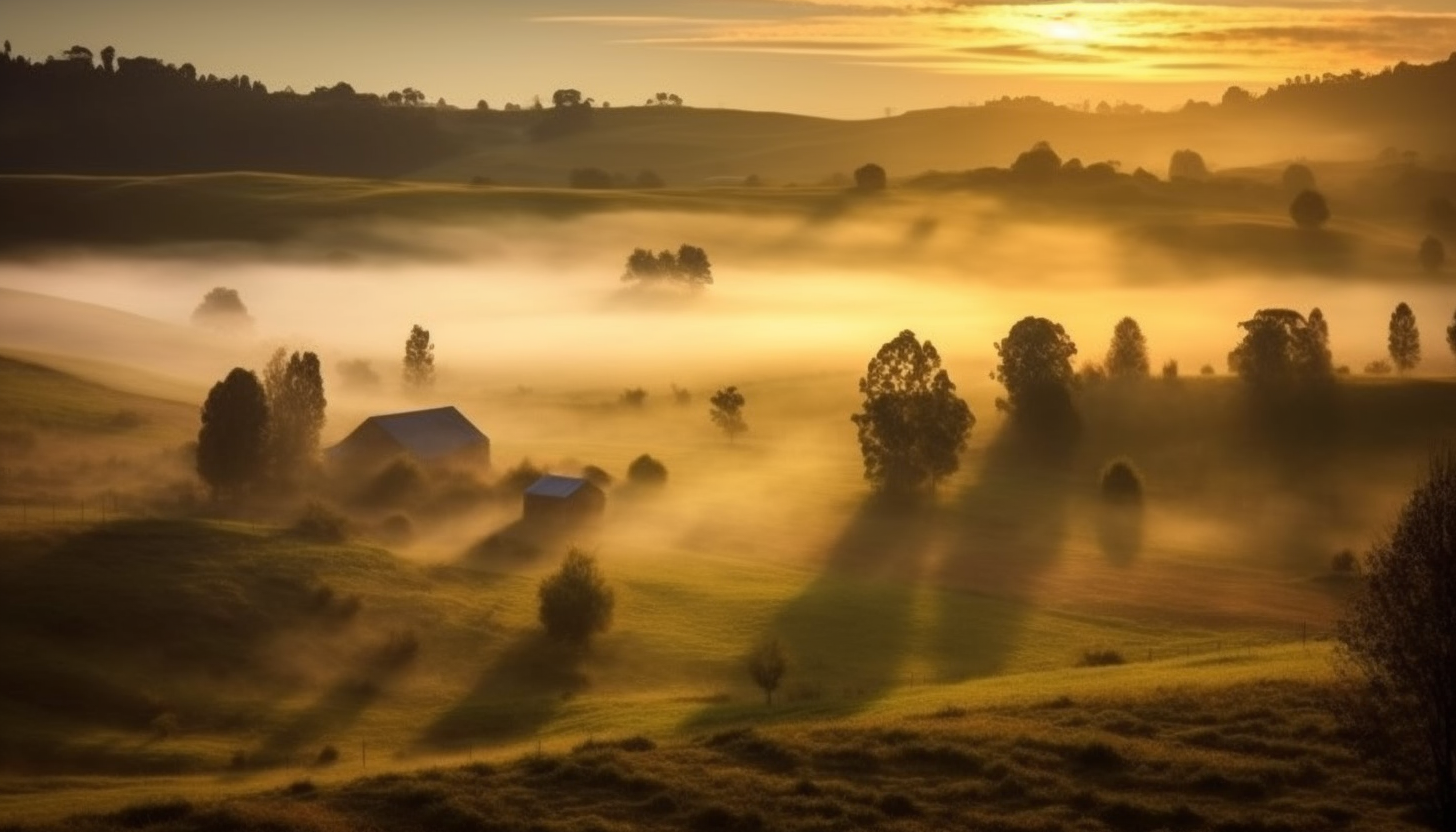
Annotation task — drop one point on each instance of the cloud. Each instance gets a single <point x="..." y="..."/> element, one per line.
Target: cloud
<point x="1214" y="40"/>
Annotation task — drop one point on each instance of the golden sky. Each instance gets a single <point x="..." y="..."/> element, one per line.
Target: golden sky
<point x="843" y="58"/>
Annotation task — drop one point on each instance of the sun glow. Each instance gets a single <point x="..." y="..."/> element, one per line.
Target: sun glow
<point x="1066" y="30"/>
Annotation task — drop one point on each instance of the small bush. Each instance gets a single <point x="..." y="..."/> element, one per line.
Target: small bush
<point x="634" y="397"/>
<point x="597" y="476"/>
<point x="1100" y="657"/>
<point x="1170" y="371"/>
<point x="518" y="479"/>
<point x="327" y="756"/>
<point x="396" y="530"/>
<point x="1344" y="563"/>
<point x="645" y="470"/>
<point x="301" y="788"/>
<point x="1380" y="367"/>
<point x="321" y="524"/>
<point x="576" y="602"/>
<point x="1121" y="484"/>
<point x="1207" y="370"/>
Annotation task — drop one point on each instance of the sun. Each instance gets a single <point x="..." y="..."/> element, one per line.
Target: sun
<point x="1066" y="30"/>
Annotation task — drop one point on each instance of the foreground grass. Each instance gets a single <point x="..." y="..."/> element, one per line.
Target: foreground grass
<point x="1240" y="755"/>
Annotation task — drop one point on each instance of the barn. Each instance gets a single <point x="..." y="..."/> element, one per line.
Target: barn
<point x="563" y="499"/>
<point x="441" y="435"/>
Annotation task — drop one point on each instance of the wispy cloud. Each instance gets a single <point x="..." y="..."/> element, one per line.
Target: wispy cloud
<point x="1153" y="41"/>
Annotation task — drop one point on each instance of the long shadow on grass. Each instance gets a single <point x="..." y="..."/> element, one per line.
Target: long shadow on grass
<point x="1010" y="526"/>
<point x="848" y="632"/>
<point x="517" y="695"/>
<point x="524" y="543"/>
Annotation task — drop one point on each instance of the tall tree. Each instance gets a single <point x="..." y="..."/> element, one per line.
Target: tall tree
<point x="913" y="427"/>
<point x="419" y="359"/>
<point x="296" y="406"/>
<point x="1405" y="339"/>
<point x="108" y="58"/>
<point x="1127" y="356"/>
<point x="1396" y="646"/>
<point x="1282" y="351"/>
<point x="727" y="411"/>
<point x="232" y="444"/>
<point x="1036" y="369"/>
<point x="766" y="667"/>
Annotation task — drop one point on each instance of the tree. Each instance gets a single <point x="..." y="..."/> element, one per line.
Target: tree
<point x="232" y="444"/>
<point x="1187" y="164"/>
<point x="869" y="177"/>
<point x="1395" y="646"/>
<point x="419" y="359"/>
<point x="1451" y="334"/>
<point x="566" y="98"/>
<point x="693" y="265"/>
<point x="1121" y="484"/>
<point x="1405" y="339"/>
<point x="1298" y="178"/>
<point x="1309" y="210"/>
<point x="1282" y="351"/>
<point x="1236" y="97"/>
<point x="766" y="667"/>
<point x="1432" y="254"/>
<point x="913" y="426"/>
<point x="646" y="470"/>
<point x="1127" y="357"/>
<point x="1036" y="369"/>
<point x="222" y="309"/>
<point x="296" y="406"/>
<point x="727" y="411"/>
<point x="576" y="602"/>
<point x="1039" y="162"/>
<point x="108" y="58"/>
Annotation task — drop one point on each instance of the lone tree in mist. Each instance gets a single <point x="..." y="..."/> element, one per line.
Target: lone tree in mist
<point x="1309" y="210"/>
<point x="232" y="444"/>
<point x="913" y="427"/>
<point x="1298" y="178"/>
<point x="647" y="470"/>
<point x="1396" y="649"/>
<point x="296" y="404"/>
<point x="1187" y="164"/>
<point x="1282" y="351"/>
<point x="1405" y="339"/>
<point x="870" y="177"/>
<point x="222" y="309"/>
<point x="1127" y="356"/>
<point x="1432" y="254"/>
<point x="690" y="266"/>
<point x="576" y="602"/>
<point x="767" y="665"/>
<point x="1036" y="369"/>
<point x="727" y="411"/>
<point x="1121" y="484"/>
<point x="419" y="359"/>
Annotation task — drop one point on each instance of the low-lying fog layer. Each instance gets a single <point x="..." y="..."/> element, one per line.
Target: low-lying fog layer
<point x="540" y="303"/>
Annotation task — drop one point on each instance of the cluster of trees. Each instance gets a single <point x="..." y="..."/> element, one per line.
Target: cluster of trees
<point x="222" y="309"/>
<point x="689" y="266"/>
<point x="256" y="431"/>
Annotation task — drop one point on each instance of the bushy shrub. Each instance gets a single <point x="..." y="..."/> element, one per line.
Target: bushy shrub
<point x="396" y="530"/>
<point x="1121" y="484"/>
<point x="576" y="602"/>
<point x="328" y="755"/>
<point x="321" y="524"/>
<point x="1170" y="371"/>
<point x="398" y="484"/>
<point x="518" y="479"/>
<point x="1380" y="367"/>
<point x="645" y="470"/>
<point x="1100" y="657"/>
<point x="597" y="476"/>
<point x="634" y="397"/>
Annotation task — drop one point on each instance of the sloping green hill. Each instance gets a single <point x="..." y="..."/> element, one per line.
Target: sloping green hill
<point x="37" y="397"/>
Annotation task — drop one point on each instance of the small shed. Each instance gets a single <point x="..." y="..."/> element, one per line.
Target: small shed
<point x="435" y="436"/>
<point x="554" y="498"/>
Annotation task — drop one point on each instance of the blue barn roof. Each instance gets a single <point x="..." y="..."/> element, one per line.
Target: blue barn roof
<point x="424" y="434"/>
<point x="556" y="487"/>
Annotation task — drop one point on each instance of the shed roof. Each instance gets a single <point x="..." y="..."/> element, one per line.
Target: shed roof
<point x="428" y="434"/>
<point x="556" y="487"/>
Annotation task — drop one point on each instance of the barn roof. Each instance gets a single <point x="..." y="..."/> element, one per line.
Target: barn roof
<point x="556" y="487"/>
<point x="427" y="434"/>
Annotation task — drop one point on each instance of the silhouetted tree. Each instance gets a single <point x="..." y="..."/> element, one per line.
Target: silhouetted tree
<point x="690" y="266"/>
<point x="1037" y="163"/>
<point x="1298" y="178"/>
<point x="1235" y="97"/>
<point x="419" y="359"/>
<point x="1281" y="351"/>
<point x="727" y="411"/>
<point x="693" y="265"/>
<point x="634" y="397"/>
<point x="766" y="667"/>
<point x="913" y="427"/>
<point x="108" y="59"/>
<point x="1036" y="369"/>
<point x="1170" y="370"/>
<point x="232" y="444"/>
<point x="1432" y="254"/>
<point x="222" y="309"/>
<point x="576" y="602"/>
<point x="1187" y="164"/>
<point x="646" y="470"/>
<point x="1396" y="649"/>
<point x="1127" y="356"/>
<point x="296" y="411"/>
<point x="1451" y="334"/>
<point x="1309" y="210"/>
<point x="566" y="98"/>
<point x="1405" y="339"/>
<point x="870" y="177"/>
<point x="1121" y="484"/>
